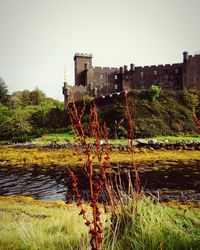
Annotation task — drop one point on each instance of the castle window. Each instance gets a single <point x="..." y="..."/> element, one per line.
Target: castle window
<point x="176" y="71"/>
<point x="155" y="72"/>
<point x="116" y="87"/>
<point x="126" y="77"/>
<point x="101" y="76"/>
<point x="166" y="81"/>
<point x="155" y="82"/>
<point x="142" y="84"/>
<point x="115" y="77"/>
<point x="142" y="74"/>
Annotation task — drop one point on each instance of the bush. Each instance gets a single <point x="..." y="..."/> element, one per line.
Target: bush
<point x="154" y="92"/>
<point x="16" y="125"/>
<point x="191" y="100"/>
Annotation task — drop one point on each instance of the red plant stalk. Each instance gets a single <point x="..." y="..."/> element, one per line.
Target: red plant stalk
<point x="76" y="120"/>
<point x="134" y="162"/>
<point x="103" y="168"/>
<point x="95" y="130"/>
<point x="100" y="134"/>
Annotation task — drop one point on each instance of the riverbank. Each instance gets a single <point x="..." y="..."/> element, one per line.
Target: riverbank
<point x="31" y="224"/>
<point x="170" y="143"/>
<point x="12" y="156"/>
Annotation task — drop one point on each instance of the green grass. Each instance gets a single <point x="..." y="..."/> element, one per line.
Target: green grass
<point x="41" y="226"/>
<point x="175" y="138"/>
<point x="27" y="224"/>
<point x="68" y="137"/>
<point x="156" y="226"/>
<point x="47" y="138"/>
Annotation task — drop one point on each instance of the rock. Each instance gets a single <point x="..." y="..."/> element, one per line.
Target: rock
<point x="142" y="141"/>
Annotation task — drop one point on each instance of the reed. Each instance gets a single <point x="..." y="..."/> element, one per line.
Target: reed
<point x="83" y="148"/>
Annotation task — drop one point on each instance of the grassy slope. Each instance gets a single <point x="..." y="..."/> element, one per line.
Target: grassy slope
<point x="169" y="115"/>
<point x="29" y="225"/>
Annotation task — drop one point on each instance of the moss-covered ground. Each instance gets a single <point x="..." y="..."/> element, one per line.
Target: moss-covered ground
<point x="22" y="157"/>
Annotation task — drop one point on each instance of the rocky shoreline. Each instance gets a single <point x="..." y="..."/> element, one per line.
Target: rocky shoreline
<point x="139" y="144"/>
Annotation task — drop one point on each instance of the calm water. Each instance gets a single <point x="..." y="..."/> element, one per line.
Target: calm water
<point x="172" y="180"/>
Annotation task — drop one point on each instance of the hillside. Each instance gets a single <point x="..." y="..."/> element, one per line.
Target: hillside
<point x="169" y="114"/>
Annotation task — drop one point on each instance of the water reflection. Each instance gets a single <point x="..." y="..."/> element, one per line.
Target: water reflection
<point x="170" y="180"/>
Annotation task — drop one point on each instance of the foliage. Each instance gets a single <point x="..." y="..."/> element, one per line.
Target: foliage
<point x="191" y="100"/>
<point x="26" y="97"/>
<point x="16" y="125"/>
<point x="3" y="91"/>
<point x="88" y="99"/>
<point x="15" y="102"/>
<point x="171" y="114"/>
<point x="37" y="96"/>
<point x="154" y="92"/>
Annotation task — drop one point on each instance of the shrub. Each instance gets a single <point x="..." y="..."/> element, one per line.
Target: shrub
<point x="191" y="100"/>
<point x="154" y="92"/>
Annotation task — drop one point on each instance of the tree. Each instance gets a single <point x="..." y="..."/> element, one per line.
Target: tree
<point x="154" y="92"/>
<point x="3" y="91"/>
<point x="191" y="100"/>
<point x="37" y="96"/>
<point x="26" y="97"/>
<point x="15" y="102"/>
<point x="16" y="125"/>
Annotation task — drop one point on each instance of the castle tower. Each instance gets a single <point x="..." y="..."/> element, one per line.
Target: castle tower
<point x="82" y="63"/>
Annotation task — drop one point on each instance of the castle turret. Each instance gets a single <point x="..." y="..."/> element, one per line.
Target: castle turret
<point x="132" y="66"/>
<point x="185" y="56"/>
<point x="66" y="93"/>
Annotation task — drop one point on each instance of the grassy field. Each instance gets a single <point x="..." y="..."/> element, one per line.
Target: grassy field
<point x="24" y="157"/>
<point x="68" y="137"/>
<point x="175" y="138"/>
<point x="64" y="137"/>
<point x="27" y="224"/>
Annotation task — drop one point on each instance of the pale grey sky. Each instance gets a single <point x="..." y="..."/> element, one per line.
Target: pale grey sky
<point x="38" y="37"/>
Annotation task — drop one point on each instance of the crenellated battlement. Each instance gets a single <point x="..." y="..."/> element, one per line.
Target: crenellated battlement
<point x="97" y="68"/>
<point x="107" y="80"/>
<point x="83" y="55"/>
<point x="154" y="67"/>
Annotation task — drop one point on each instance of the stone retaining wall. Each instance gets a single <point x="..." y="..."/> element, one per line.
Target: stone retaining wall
<point x="139" y="144"/>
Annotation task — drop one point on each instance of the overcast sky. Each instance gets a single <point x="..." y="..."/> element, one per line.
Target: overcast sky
<point x="38" y="37"/>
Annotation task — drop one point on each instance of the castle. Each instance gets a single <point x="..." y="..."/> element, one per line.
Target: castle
<point x="102" y="81"/>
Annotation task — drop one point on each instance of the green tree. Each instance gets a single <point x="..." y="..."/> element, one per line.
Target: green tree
<point x="3" y="91"/>
<point x="26" y="98"/>
<point x="37" y="96"/>
<point x="191" y="100"/>
<point x="16" y="125"/>
<point x="15" y="102"/>
<point x="154" y="92"/>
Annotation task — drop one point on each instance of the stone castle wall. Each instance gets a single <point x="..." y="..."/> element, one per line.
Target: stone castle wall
<point x="101" y="81"/>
